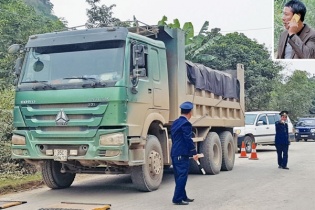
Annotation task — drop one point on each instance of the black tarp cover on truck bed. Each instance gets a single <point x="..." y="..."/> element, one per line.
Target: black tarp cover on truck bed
<point x="214" y="81"/>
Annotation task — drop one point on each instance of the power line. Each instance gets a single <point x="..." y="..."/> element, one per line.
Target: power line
<point x="252" y="29"/>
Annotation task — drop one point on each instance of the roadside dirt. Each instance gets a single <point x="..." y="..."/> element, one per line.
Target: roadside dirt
<point x="34" y="185"/>
<point x="21" y="187"/>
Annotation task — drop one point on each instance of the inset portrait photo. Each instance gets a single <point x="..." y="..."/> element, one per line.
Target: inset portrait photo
<point x="294" y="29"/>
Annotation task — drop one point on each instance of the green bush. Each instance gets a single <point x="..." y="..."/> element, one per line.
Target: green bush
<point x="8" y="166"/>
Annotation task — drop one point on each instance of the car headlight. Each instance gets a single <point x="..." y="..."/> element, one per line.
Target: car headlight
<point x="115" y="139"/>
<point x="237" y="131"/>
<point x="312" y="130"/>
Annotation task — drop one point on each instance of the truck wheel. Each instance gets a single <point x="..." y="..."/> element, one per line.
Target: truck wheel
<point x="228" y="154"/>
<point x="148" y="177"/>
<point x="248" y="143"/>
<point x="305" y="139"/>
<point x="212" y="150"/>
<point x="52" y="176"/>
<point x="297" y="140"/>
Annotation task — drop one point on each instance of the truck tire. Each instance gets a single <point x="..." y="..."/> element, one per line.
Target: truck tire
<point x="228" y="152"/>
<point x="212" y="150"/>
<point x="248" y="141"/>
<point x="52" y="176"/>
<point x="148" y="177"/>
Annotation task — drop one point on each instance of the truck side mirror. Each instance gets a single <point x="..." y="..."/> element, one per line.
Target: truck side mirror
<point x="18" y="66"/>
<point x="139" y="72"/>
<point x="138" y="55"/>
<point x="14" y="48"/>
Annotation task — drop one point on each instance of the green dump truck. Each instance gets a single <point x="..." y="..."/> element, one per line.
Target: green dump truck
<point x="102" y="101"/>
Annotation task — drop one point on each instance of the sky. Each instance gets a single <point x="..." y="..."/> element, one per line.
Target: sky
<point x="254" y="18"/>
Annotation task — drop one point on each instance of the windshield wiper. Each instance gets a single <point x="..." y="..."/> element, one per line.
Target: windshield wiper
<point x="43" y="83"/>
<point x="96" y="82"/>
<point x="80" y="77"/>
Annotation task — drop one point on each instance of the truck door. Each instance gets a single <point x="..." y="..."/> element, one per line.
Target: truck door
<point x="147" y="91"/>
<point x="159" y="81"/>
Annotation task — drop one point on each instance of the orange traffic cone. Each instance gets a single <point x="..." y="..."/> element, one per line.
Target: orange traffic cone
<point x="253" y="155"/>
<point x="243" y="152"/>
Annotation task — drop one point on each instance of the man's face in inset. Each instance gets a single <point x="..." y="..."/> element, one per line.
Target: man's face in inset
<point x="287" y="16"/>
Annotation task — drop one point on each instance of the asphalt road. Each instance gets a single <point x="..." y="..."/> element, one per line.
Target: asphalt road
<point x="252" y="184"/>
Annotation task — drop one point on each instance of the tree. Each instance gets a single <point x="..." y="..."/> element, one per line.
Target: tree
<point x="296" y="94"/>
<point x="187" y="27"/>
<point x="223" y="52"/>
<point x="44" y="7"/>
<point x="278" y="25"/>
<point x="102" y="16"/>
<point x="17" y="22"/>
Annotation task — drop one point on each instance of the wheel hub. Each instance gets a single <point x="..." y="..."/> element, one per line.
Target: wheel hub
<point x="155" y="163"/>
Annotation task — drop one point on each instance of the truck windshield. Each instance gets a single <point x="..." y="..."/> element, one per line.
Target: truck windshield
<point x="74" y="65"/>
<point x="250" y="119"/>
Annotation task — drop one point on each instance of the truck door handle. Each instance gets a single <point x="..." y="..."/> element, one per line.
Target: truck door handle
<point x="149" y="90"/>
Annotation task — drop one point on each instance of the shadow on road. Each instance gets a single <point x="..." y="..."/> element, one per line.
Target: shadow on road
<point x="108" y="184"/>
<point x="266" y="149"/>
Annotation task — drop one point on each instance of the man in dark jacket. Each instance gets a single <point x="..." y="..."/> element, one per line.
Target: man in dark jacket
<point x="182" y="148"/>
<point x="282" y="140"/>
<point x="297" y="41"/>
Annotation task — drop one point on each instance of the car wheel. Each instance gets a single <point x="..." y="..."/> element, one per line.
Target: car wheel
<point x="248" y="141"/>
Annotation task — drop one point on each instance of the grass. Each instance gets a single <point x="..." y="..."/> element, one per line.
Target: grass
<point x="12" y="183"/>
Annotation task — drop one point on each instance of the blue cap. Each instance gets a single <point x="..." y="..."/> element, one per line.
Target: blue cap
<point x="187" y="105"/>
<point x="284" y="113"/>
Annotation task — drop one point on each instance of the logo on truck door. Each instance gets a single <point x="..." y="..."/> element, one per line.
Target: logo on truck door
<point x="62" y="118"/>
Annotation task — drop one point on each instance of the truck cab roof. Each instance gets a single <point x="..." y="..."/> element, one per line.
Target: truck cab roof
<point x="77" y="36"/>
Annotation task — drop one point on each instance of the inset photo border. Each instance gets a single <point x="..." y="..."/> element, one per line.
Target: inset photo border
<point x="294" y="29"/>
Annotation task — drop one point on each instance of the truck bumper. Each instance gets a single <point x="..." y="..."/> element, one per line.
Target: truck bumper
<point x="69" y="148"/>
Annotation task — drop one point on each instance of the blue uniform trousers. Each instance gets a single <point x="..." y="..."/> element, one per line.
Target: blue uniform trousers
<point x="181" y="168"/>
<point x="282" y="151"/>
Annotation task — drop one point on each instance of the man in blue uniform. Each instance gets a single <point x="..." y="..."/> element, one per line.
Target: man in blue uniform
<point x="282" y="140"/>
<point x="182" y="148"/>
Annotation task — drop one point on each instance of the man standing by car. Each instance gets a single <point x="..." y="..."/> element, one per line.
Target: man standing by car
<point x="282" y="140"/>
<point x="182" y="148"/>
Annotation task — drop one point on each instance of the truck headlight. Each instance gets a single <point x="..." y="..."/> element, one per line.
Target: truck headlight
<point x="18" y="140"/>
<point x="115" y="139"/>
<point x="296" y="130"/>
<point x="312" y="130"/>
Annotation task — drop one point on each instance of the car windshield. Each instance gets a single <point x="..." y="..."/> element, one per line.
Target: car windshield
<point x="73" y="64"/>
<point x="306" y="122"/>
<point x="250" y="119"/>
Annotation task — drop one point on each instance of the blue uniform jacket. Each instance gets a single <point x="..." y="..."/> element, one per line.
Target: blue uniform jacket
<point x="282" y="133"/>
<point x="182" y="144"/>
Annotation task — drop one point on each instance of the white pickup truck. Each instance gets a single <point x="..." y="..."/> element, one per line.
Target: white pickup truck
<point x="260" y="129"/>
